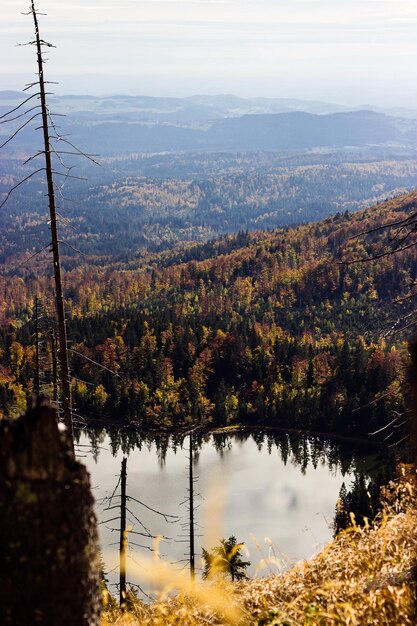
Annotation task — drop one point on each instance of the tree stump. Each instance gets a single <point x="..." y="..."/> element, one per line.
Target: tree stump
<point x="49" y="556"/>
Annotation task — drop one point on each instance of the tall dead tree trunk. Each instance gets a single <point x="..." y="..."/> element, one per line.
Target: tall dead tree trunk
<point x="49" y="565"/>
<point x="38" y="367"/>
<point x="123" y="535"/>
<point x="412" y="399"/>
<point x="54" y="368"/>
<point x="59" y="298"/>
<point x="191" y="489"/>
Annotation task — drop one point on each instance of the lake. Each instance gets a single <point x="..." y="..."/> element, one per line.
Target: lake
<point x="276" y="492"/>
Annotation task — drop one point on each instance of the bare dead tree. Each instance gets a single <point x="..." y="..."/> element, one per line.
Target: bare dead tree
<point x="54" y="366"/>
<point x="191" y="507"/>
<point x="37" y="378"/>
<point x="62" y="334"/>
<point x="190" y="527"/>
<point x="42" y="111"/>
<point x="35" y="107"/>
<point x="122" y="504"/>
<point x="123" y="535"/>
<point x="46" y="359"/>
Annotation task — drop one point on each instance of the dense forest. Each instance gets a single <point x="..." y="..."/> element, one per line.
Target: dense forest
<point x="278" y="328"/>
<point x="138" y="203"/>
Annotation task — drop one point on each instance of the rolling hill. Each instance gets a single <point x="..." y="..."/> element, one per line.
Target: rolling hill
<point x="125" y="124"/>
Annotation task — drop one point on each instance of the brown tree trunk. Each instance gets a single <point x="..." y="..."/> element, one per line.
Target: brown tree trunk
<point x="49" y="565"/>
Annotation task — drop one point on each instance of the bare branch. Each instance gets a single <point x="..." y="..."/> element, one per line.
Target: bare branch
<point x="67" y="167"/>
<point x="106" y="521"/>
<point x="409" y="296"/>
<point x="87" y="156"/>
<point x="378" y="256"/>
<point x="34" y="156"/>
<point x="397" y="443"/>
<point x="138" y="520"/>
<point x="13" y="119"/>
<point x="20" y="129"/>
<point x="68" y="224"/>
<point x="20" y="105"/>
<point x="92" y="361"/>
<point x="385" y="226"/>
<point x="68" y="175"/>
<point x="73" y="248"/>
<point x="115" y="489"/>
<point x="152" y="599"/>
<point x="164" y="515"/>
<point x="139" y="545"/>
<point x="9" y="193"/>
<point x="380" y="430"/>
<point x="30" y="85"/>
<point x="77" y="154"/>
<point x="15" y="267"/>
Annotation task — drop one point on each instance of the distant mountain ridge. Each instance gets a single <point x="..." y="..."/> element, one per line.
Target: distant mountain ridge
<point x="198" y="108"/>
<point x="204" y="107"/>
<point x="125" y="124"/>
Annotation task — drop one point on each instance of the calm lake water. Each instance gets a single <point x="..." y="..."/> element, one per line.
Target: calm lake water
<point x="276" y="493"/>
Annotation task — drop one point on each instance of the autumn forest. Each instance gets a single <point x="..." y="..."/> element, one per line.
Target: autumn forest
<point x="288" y="328"/>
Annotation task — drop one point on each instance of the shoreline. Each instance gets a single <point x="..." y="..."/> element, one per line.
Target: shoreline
<point x="233" y="429"/>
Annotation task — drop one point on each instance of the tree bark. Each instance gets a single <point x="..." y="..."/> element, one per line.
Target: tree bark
<point x="49" y="557"/>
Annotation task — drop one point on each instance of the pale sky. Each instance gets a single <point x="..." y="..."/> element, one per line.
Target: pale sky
<point x="346" y="51"/>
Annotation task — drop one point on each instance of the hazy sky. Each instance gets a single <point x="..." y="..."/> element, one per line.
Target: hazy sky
<point x="347" y="51"/>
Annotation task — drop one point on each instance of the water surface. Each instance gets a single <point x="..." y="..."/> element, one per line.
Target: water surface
<point x="275" y="493"/>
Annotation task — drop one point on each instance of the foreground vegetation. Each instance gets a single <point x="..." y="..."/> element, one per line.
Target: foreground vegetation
<point x="366" y="576"/>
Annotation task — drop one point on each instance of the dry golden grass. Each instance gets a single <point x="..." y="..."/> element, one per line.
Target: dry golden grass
<point x="363" y="578"/>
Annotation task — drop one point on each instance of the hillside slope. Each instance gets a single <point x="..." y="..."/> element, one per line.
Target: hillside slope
<point x="108" y="133"/>
<point x="270" y="328"/>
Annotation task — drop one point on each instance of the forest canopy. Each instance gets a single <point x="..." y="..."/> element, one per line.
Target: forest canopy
<point x="275" y="328"/>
